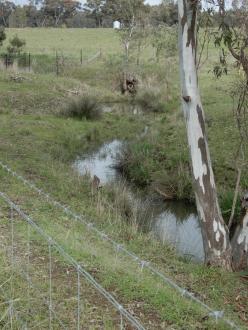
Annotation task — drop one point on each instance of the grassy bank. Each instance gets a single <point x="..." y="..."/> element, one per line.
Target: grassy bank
<point x="34" y="156"/>
<point x="41" y="147"/>
<point x="40" y="144"/>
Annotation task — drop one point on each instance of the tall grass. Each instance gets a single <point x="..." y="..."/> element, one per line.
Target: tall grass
<point x="150" y="101"/>
<point x="83" y="107"/>
<point x="134" y="209"/>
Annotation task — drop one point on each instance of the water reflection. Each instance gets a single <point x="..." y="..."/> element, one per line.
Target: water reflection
<point x="101" y="162"/>
<point x="173" y="222"/>
<point x="126" y="108"/>
<point x="184" y="235"/>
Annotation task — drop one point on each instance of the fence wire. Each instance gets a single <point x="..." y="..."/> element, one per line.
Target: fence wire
<point x="52" y="244"/>
<point x="217" y="315"/>
<point x="12" y="309"/>
<point x="57" y="63"/>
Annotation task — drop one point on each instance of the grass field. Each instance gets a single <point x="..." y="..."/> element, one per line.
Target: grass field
<point x="68" y="41"/>
<point x="37" y="142"/>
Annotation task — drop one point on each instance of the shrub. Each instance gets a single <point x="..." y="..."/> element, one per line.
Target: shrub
<point x="150" y="101"/>
<point x="133" y="161"/>
<point x="86" y="107"/>
<point x="16" y="45"/>
<point x="2" y="35"/>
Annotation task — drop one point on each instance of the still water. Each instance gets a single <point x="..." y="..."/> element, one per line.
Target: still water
<point x="172" y="222"/>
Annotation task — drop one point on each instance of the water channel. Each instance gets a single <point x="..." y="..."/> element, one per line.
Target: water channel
<point x="171" y="222"/>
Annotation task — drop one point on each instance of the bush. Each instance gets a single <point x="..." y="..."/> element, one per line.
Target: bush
<point x="149" y="101"/>
<point x="86" y="107"/>
<point x="134" y="162"/>
<point x="2" y="35"/>
<point x="16" y="45"/>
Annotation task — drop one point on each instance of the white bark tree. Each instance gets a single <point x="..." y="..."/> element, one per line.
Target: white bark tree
<point x="240" y="241"/>
<point x="219" y="251"/>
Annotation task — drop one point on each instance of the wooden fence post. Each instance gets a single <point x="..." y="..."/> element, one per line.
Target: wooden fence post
<point x="29" y="62"/>
<point x="57" y="64"/>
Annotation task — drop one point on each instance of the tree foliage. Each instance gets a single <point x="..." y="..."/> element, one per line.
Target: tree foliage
<point x="2" y="35"/>
<point x="125" y="10"/>
<point x="59" y="10"/>
<point x="6" y="8"/>
<point x="164" y="41"/>
<point x="94" y="13"/>
<point x="95" y="8"/>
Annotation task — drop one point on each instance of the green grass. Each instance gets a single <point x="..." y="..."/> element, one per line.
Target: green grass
<point x="36" y="156"/>
<point x="118" y="274"/>
<point x="68" y="41"/>
<point x="41" y="146"/>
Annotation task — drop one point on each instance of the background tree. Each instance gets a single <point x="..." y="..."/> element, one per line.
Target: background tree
<point x="164" y="13"/>
<point x="56" y="11"/>
<point x="81" y="20"/>
<point x="132" y="15"/>
<point x="33" y="14"/>
<point x="2" y="36"/>
<point x="95" y="13"/>
<point x="6" y="8"/>
<point x="18" y="18"/>
<point x="125" y="10"/>
<point x="94" y="8"/>
<point x="141" y="37"/>
<point x="164" y="41"/>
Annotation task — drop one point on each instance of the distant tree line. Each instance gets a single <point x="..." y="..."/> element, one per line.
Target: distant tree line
<point x="93" y="14"/>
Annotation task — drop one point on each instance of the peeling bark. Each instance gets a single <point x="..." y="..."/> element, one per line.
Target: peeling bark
<point x="214" y="231"/>
<point x="240" y="246"/>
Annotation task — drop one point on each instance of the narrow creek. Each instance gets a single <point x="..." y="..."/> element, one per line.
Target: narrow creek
<point x="171" y="222"/>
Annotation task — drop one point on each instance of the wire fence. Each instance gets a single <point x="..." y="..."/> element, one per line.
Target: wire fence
<point x="58" y="63"/>
<point x="119" y="248"/>
<point x="32" y="261"/>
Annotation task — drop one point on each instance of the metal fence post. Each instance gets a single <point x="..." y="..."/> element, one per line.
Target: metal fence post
<point x="50" y="282"/>
<point x="12" y="266"/>
<point x="78" y="299"/>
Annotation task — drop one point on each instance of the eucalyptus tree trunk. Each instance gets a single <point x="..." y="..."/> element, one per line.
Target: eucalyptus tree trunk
<point x="240" y="245"/>
<point x="215" y="234"/>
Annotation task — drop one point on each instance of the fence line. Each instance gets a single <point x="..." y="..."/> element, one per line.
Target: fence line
<point x="26" y="277"/>
<point x="94" y="57"/>
<point x="56" y="63"/>
<point x="80" y="269"/>
<point x="120" y="248"/>
<point x="9" y="302"/>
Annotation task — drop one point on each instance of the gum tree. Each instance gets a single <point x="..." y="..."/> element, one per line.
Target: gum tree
<point x="216" y="241"/>
<point x="95" y="9"/>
